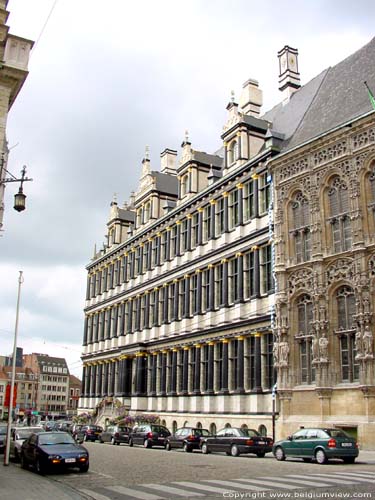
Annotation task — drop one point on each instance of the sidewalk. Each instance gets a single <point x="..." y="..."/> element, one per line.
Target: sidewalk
<point x="16" y="484"/>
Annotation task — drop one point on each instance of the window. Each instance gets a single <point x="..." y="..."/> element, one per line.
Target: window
<point x="146" y="253"/>
<point x="163" y="246"/>
<point x="184" y="235"/>
<point x="194" y="305"/>
<point x="147" y="212"/>
<point x="220" y="209"/>
<point x="205" y="290"/>
<point x="248" y="201"/>
<point x="264" y="187"/>
<point x="233" y="287"/>
<point x="267" y="283"/>
<point x="233" y="202"/>
<point x="306" y="339"/>
<point x="155" y="249"/>
<point x="206" y="220"/>
<point x="194" y="230"/>
<point x="204" y="366"/>
<point x="268" y="360"/>
<point x="173" y="250"/>
<point x="219" y="285"/>
<point x="171" y="295"/>
<point x="345" y="301"/>
<point x="184" y="185"/>
<point x="301" y="228"/>
<point x="139" y="216"/>
<point x="232" y="152"/>
<point x="338" y="200"/>
<point x="249" y="275"/>
<point x="138" y="260"/>
<point x="182" y="298"/>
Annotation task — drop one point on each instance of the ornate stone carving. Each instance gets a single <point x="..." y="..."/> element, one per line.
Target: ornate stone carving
<point x="340" y="269"/>
<point x="363" y="138"/>
<point x="371" y="266"/>
<point x="302" y="278"/>
<point x="295" y="168"/>
<point x="283" y="354"/>
<point x="368" y="340"/>
<point x="323" y="349"/>
<point x="330" y="152"/>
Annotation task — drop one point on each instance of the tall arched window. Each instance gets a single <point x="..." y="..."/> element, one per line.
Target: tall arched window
<point x="147" y="212"/>
<point x="233" y="152"/>
<point x="305" y="338"/>
<point x="345" y="310"/>
<point x="301" y="228"/>
<point x="339" y="208"/>
<point x="184" y="185"/>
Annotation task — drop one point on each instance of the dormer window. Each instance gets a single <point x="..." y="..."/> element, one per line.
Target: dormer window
<point x="184" y="185"/>
<point x="147" y="212"/>
<point x="233" y="152"/>
<point x="139" y="216"/>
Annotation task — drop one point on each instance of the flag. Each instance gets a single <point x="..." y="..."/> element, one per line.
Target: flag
<point x="370" y="95"/>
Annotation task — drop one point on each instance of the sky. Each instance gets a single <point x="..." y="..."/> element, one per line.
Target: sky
<point x="106" y="79"/>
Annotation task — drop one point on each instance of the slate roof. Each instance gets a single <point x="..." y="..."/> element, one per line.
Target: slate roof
<point x="126" y="215"/>
<point x="166" y="183"/>
<point x="335" y="96"/>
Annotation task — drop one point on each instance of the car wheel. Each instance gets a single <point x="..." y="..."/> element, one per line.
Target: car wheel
<point x="234" y="451"/>
<point x="39" y="467"/>
<point x="23" y="461"/>
<point x="204" y="448"/>
<point x="131" y="442"/>
<point x="147" y="443"/>
<point x="187" y="448"/>
<point x="307" y="460"/>
<point x="168" y="446"/>
<point x="113" y="441"/>
<point x="84" y="468"/>
<point x="261" y="454"/>
<point x="349" y="460"/>
<point x="279" y="454"/>
<point x="320" y="456"/>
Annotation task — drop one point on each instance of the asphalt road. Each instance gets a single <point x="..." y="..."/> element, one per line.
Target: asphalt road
<point x="120" y="472"/>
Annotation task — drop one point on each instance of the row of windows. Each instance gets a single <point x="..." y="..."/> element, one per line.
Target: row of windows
<point x="231" y="281"/>
<point x="52" y="397"/>
<point x="240" y="206"/>
<point x="48" y="378"/>
<point x="55" y="388"/>
<point x="344" y="328"/>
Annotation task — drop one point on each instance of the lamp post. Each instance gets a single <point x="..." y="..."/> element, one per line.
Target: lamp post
<point x="20" y="197"/>
<point x="6" y="454"/>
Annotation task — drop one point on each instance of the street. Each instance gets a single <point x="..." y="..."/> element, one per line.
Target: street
<point x="120" y="472"/>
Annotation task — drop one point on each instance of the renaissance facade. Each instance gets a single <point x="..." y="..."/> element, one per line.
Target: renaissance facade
<point x="202" y="297"/>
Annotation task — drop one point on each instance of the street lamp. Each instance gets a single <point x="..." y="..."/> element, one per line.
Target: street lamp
<point x="20" y="197"/>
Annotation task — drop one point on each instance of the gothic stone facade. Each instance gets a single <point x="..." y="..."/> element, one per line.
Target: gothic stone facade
<point x="325" y="258"/>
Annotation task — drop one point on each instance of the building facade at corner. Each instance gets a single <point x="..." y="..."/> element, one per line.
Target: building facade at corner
<point x="14" y="56"/>
<point x="226" y="268"/>
<point x="178" y="319"/>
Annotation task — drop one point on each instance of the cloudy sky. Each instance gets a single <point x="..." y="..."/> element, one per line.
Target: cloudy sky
<point x="108" y="78"/>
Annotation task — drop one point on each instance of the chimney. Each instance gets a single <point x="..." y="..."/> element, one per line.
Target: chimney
<point x="168" y="161"/>
<point x="289" y="77"/>
<point x="251" y="98"/>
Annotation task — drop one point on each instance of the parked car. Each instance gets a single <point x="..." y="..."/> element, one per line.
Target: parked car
<point x="149" y="435"/>
<point x="115" y="434"/>
<point x="187" y="438"/>
<point x="18" y="436"/>
<point x="3" y="436"/>
<point x="64" y="426"/>
<point x="77" y="432"/>
<point x="50" y="425"/>
<point x="235" y="441"/>
<point x="91" y="432"/>
<point x="317" y="444"/>
<point x="53" y="450"/>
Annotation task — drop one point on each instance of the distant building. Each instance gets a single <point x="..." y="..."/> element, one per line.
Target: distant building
<point x="74" y="394"/>
<point x="53" y="378"/>
<point x="14" y="57"/>
<point x="27" y="390"/>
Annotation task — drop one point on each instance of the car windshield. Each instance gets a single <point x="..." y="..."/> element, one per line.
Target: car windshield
<point x="157" y="428"/>
<point x="336" y="433"/>
<point x="122" y="429"/>
<point x="3" y="430"/>
<point x="56" y="438"/>
<point x="201" y="432"/>
<point x="25" y="433"/>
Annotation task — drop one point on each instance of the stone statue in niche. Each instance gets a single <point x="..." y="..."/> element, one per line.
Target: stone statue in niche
<point x="323" y="348"/>
<point x="367" y="340"/>
<point x="284" y="353"/>
<point x="358" y="345"/>
<point x="275" y="352"/>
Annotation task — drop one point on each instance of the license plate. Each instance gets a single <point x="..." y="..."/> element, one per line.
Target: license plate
<point x="261" y="442"/>
<point x="347" y="445"/>
<point x="70" y="460"/>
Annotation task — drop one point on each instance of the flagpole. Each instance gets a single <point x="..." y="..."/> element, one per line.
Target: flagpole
<point x="10" y="408"/>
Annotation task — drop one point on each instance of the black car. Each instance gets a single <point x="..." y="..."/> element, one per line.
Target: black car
<point x="187" y="438"/>
<point x="3" y="437"/>
<point x="53" y="450"/>
<point x="235" y="441"/>
<point x="91" y="432"/>
<point x="115" y="434"/>
<point x="149" y="435"/>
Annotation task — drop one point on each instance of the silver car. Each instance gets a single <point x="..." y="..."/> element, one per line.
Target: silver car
<point x="18" y="436"/>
